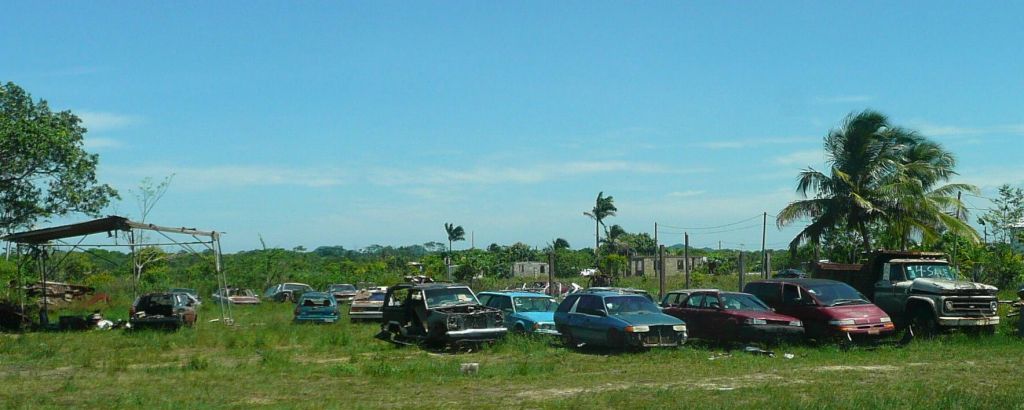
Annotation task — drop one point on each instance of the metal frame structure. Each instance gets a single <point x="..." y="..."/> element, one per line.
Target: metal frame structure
<point x="40" y="243"/>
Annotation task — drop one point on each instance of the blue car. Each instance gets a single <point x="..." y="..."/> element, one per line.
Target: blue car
<point x="316" y="307"/>
<point x="618" y="320"/>
<point x="524" y="312"/>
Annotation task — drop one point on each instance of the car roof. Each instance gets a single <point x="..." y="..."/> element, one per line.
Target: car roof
<point x="799" y="281"/>
<point x="607" y="293"/>
<point x="613" y="289"/>
<point x="431" y="285"/>
<point x="515" y="294"/>
<point x="317" y="294"/>
<point x="691" y="290"/>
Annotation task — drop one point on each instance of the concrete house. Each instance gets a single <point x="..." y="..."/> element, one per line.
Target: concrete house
<point x="530" y="269"/>
<point x="646" y="265"/>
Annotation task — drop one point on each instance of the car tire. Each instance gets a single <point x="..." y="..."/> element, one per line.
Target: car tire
<point x="568" y="340"/>
<point x="518" y="328"/>
<point x="924" y="323"/>
<point x="615" y="339"/>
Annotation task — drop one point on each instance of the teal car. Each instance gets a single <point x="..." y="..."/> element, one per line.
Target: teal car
<point x="618" y="320"/>
<point x="316" y="307"/>
<point x="524" y="312"/>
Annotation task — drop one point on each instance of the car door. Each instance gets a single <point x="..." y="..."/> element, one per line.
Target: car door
<point x="888" y="289"/>
<point x="691" y="313"/>
<point x="587" y="320"/>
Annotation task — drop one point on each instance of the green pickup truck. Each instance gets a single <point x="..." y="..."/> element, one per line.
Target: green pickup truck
<point x="919" y="289"/>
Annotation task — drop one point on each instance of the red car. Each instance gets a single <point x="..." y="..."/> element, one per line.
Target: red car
<point x="828" y="308"/>
<point x="734" y="317"/>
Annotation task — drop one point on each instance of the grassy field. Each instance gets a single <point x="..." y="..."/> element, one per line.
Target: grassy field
<point x="267" y="361"/>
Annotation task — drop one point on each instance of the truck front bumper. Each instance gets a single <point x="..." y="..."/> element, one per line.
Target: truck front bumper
<point x="484" y="334"/>
<point x="968" y="321"/>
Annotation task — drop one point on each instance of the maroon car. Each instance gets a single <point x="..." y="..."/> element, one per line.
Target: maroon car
<point x="828" y="308"/>
<point x="734" y="317"/>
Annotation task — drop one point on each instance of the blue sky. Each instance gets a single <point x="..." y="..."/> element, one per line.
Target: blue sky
<point x="355" y="123"/>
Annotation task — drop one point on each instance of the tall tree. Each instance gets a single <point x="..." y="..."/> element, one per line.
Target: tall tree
<point x="604" y="207"/>
<point x="455" y="233"/>
<point x="879" y="174"/>
<point x="44" y="168"/>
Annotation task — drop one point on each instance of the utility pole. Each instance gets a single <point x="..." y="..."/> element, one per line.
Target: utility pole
<point x="686" y="257"/>
<point x="551" y="269"/>
<point x="742" y="270"/>
<point x="661" y="272"/>
<point x="764" y="252"/>
<point x="956" y="238"/>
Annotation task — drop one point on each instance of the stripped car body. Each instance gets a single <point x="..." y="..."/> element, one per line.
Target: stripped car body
<point x="236" y="296"/>
<point x="316" y="307"/>
<point x="164" y="310"/>
<point x="438" y="314"/>
<point x="367" y="304"/>
<point x="343" y="292"/>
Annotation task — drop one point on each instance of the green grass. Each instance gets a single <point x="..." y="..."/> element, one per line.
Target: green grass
<point x="266" y="361"/>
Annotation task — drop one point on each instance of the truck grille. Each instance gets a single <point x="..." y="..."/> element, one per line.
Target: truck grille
<point x="970" y="306"/>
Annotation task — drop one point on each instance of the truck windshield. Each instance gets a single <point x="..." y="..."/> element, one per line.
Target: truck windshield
<point x="836" y="294"/>
<point x="535" y="304"/>
<point x="931" y="271"/>
<point x="449" y="296"/>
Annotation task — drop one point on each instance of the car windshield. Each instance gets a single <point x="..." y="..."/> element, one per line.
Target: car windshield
<point x="449" y="296"/>
<point x="535" y="304"/>
<point x="240" y="292"/>
<point x="296" y="286"/>
<point x="377" y="297"/>
<point x="836" y="294"/>
<point x="316" y="301"/>
<point x="742" y="301"/>
<point x="335" y="288"/>
<point x="624" y="305"/>
<point x="931" y="271"/>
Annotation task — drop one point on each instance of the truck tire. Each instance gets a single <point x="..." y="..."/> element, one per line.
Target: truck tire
<point x="924" y="323"/>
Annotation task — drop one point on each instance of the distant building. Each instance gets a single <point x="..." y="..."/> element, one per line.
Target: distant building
<point x="529" y="269"/>
<point x="640" y="265"/>
<point x="1016" y="231"/>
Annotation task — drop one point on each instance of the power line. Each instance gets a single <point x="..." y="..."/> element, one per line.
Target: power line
<point x="712" y="227"/>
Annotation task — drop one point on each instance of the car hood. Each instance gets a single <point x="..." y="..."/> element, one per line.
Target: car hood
<point x="755" y="314"/>
<point x="649" y="319"/>
<point x="866" y="312"/>
<point x="929" y="285"/>
<point x="537" y="317"/>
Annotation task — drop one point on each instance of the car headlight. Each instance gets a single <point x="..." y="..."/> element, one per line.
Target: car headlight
<point x="638" y="329"/>
<point x="995" y="305"/>
<point x="755" y="322"/>
<point x="843" y="322"/>
<point x="796" y="323"/>
<point x="948" y="305"/>
<point x="885" y="319"/>
<point x="679" y="328"/>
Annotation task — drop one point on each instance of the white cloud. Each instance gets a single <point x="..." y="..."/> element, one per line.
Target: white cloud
<point x="755" y="142"/>
<point x="103" y="121"/>
<point x="801" y="158"/>
<point x="936" y="130"/>
<point x="843" y="99"/>
<point x="225" y="176"/>
<point x="525" y="174"/>
<point x="91" y="143"/>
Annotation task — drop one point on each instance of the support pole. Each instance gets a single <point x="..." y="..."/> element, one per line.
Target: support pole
<point x="764" y="251"/>
<point x="956" y="238"/>
<point x="44" y="314"/>
<point x="661" y="272"/>
<point x="551" y="270"/>
<point x="742" y="270"/>
<point x="686" y="257"/>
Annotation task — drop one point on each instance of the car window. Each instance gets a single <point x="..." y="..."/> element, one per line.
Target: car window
<point x="624" y="305"/>
<point x="711" y="301"/>
<point x="740" y="301"/>
<point x="534" y="304"/>
<point x="484" y="299"/>
<point x="376" y="297"/>
<point x="398" y="297"/>
<point x="790" y="294"/>
<point x="503" y="302"/>
<point x="566" y="304"/>
<point x="590" y="305"/>
<point x="695" y="301"/>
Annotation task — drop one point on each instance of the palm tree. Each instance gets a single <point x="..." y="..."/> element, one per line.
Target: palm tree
<point x="559" y="243"/>
<point x="613" y="236"/>
<point x="604" y="207"/>
<point x="880" y="174"/>
<point x="455" y="233"/>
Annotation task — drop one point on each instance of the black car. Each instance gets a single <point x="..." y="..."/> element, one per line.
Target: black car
<point x="790" y="274"/>
<point x="286" y="292"/>
<point x="438" y="314"/>
<point x="162" y="311"/>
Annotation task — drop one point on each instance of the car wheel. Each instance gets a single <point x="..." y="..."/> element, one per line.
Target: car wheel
<point x="615" y="339"/>
<point x="924" y="323"/>
<point x="518" y="328"/>
<point x="568" y="340"/>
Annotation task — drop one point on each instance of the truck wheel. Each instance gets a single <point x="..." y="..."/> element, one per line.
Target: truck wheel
<point x="924" y="323"/>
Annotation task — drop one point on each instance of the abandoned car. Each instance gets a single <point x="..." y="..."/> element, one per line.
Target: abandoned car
<point x="343" y="292"/>
<point x="676" y="297"/>
<point x="616" y="319"/>
<point x="438" y="314"/>
<point x="236" y="296"/>
<point x="316" y="307"/>
<point x="634" y="291"/>
<point x="367" y="304"/>
<point x="525" y="312"/>
<point x="162" y="311"/>
<point x="286" y="292"/>
<point x="829" y="309"/>
<point x="190" y="292"/>
<point x="735" y="317"/>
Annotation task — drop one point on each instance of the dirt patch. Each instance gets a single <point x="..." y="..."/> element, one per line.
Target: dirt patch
<point x="718" y="384"/>
<point x="882" y="368"/>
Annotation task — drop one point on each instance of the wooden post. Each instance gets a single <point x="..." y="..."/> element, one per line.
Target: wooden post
<point x="661" y="272"/>
<point x="686" y="257"/>
<point x="742" y="271"/>
<point x="764" y="251"/>
<point x="551" y="269"/>
<point x="769" y="271"/>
